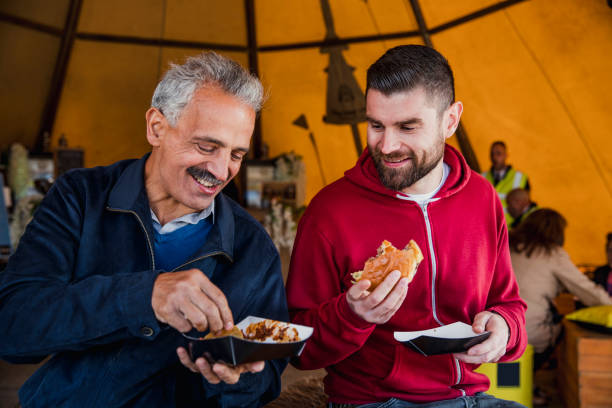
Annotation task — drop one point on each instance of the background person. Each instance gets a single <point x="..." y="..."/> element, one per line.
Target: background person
<point x="603" y="275"/>
<point x="119" y="259"/>
<point x="543" y="270"/>
<point x="519" y="205"/>
<point x="503" y="176"/>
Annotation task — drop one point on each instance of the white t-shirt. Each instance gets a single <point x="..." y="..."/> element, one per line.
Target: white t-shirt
<point x="424" y="198"/>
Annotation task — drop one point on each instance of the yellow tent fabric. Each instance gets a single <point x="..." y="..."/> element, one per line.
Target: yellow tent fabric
<point x="535" y="74"/>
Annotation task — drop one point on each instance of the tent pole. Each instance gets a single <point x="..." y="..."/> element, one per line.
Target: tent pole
<point x="249" y="9"/>
<point x="59" y="76"/>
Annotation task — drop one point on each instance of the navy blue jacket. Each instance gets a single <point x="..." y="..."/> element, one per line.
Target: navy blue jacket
<point x="79" y="285"/>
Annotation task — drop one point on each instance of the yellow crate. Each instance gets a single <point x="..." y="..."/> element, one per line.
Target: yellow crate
<point x="512" y="380"/>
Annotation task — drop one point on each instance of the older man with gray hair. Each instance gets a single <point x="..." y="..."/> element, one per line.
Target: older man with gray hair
<point x="119" y="260"/>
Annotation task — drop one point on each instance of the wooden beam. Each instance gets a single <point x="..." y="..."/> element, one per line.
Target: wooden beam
<point x="338" y="41"/>
<point x="473" y="16"/>
<point x="249" y="11"/>
<point x="158" y="42"/>
<point x="464" y="142"/>
<point x="59" y="75"/>
<point x="418" y="15"/>
<point x="32" y="25"/>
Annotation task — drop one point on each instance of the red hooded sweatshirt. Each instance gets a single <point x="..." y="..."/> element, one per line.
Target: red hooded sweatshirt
<point x="466" y="269"/>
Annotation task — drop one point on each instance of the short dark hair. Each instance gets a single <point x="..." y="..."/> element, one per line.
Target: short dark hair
<point x="498" y="143"/>
<point x="407" y="67"/>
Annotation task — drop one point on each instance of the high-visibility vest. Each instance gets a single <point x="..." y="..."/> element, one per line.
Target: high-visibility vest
<point x="533" y="207"/>
<point x="512" y="179"/>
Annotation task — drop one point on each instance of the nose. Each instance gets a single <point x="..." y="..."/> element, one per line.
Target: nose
<point x="390" y="142"/>
<point x="219" y="166"/>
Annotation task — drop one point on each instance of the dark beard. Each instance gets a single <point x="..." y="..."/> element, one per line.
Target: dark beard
<point x="399" y="179"/>
<point x="206" y="175"/>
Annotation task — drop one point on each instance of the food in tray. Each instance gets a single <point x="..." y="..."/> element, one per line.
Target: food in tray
<point x="263" y="330"/>
<point x="234" y="331"/>
<point x="271" y="330"/>
<point x="388" y="259"/>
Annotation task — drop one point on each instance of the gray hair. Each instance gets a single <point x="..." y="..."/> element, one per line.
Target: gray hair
<point x="175" y="90"/>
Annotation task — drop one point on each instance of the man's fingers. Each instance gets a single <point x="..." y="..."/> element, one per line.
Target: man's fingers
<point x="380" y="293"/>
<point x="480" y="321"/>
<point x="394" y="301"/>
<point x="227" y="374"/>
<point x="255" y="367"/>
<point x="223" y="311"/>
<point x="195" y="316"/>
<point x="186" y="360"/>
<point x="489" y="357"/>
<point x="173" y="294"/>
<point x="178" y="321"/>
<point x="231" y="375"/>
<point x="357" y="291"/>
<point x="206" y="307"/>
<point x="207" y="371"/>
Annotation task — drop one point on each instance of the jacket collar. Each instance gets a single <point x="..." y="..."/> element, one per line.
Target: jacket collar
<point x="221" y="237"/>
<point x="129" y="191"/>
<point x="129" y="195"/>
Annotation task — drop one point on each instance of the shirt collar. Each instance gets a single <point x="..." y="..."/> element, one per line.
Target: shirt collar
<point x="192" y="218"/>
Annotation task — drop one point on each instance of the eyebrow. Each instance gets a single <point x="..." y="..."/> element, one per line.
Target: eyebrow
<point x="411" y="121"/>
<point x="208" y="139"/>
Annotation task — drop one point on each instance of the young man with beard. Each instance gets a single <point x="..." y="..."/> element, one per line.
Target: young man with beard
<point x="119" y="260"/>
<point x="406" y="185"/>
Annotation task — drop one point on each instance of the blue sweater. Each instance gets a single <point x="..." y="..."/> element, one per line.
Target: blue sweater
<point x="78" y="289"/>
<point x="176" y="247"/>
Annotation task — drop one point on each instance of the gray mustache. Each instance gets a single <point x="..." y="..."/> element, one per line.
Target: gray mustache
<point x="205" y="175"/>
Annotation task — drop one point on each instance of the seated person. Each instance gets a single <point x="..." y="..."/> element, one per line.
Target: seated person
<point x="543" y="270"/>
<point x="118" y="260"/>
<point x="519" y="205"/>
<point x="407" y="185"/>
<point x="603" y="277"/>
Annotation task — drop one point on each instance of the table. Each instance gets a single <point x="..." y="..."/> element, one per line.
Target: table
<point x="585" y="368"/>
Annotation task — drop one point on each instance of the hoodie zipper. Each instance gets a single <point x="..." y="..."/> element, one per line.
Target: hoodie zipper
<point x="434" y="272"/>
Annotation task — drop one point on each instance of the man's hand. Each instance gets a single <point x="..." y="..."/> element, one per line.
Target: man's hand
<point x="188" y="299"/>
<point x="379" y="306"/>
<point x="493" y="348"/>
<point x="218" y="372"/>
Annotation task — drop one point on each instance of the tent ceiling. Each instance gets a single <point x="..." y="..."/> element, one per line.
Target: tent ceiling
<point x="533" y="73"/>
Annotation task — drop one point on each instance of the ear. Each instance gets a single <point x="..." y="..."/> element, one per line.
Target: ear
<point x="451" y="119"/>
<point x="157" y="124"/>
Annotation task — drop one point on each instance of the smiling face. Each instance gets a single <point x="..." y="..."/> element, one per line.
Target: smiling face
<point x="192" y="162"/>
<point x="406" y="136"/>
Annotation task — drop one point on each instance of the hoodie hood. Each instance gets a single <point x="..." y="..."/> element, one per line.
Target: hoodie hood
<point x="365" y="175"/>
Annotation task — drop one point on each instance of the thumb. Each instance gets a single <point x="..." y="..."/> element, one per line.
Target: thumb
<point x="256" y="367"/>
<point x="480" y="321"/>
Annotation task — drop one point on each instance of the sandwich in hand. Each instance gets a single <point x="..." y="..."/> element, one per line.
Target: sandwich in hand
<point x="389" y="259"/>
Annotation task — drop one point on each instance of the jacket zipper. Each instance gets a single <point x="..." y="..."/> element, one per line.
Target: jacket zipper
<point x="151" y="247"/>
<point x="203" y="257"/>
<point x="143" y="229"/>
<point x="434" y="271"/>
